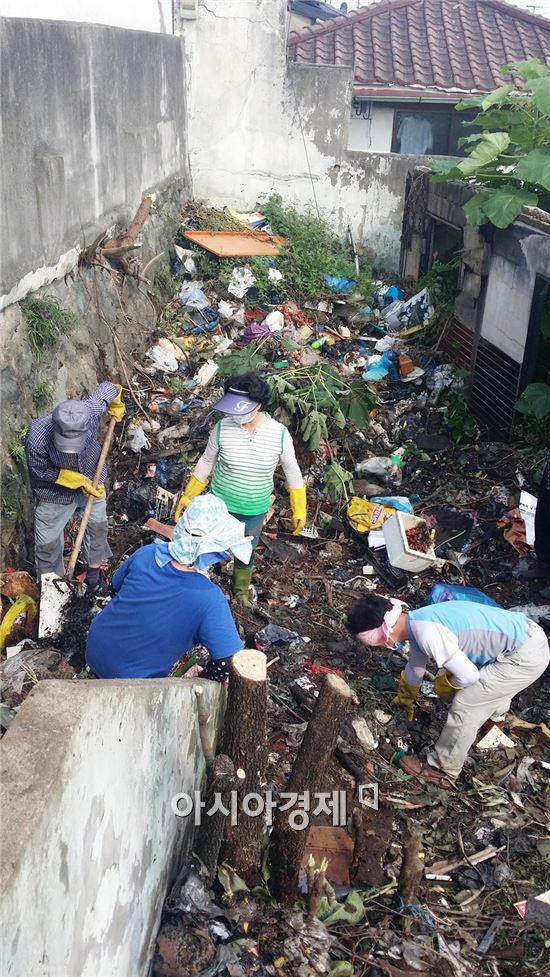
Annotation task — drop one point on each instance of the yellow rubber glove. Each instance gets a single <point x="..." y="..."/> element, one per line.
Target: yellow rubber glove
<point x="193" y="488"/>
<point x="298" y="505"/>
<point x="76" y="480"/>
<point x="444" y="688"/>
<point x="116" y="408"/>
<point x="406" y="696"/>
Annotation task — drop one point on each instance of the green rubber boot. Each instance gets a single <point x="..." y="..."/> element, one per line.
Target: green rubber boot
<point x="241" y="584"/>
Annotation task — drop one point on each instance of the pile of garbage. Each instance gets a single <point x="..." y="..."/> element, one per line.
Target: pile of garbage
<point x="405" y="498"/>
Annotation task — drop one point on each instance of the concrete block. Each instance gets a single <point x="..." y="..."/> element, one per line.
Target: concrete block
<point x="88" y="770"/>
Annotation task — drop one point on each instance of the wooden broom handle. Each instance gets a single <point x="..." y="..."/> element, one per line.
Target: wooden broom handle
<point x="91" y="499"/>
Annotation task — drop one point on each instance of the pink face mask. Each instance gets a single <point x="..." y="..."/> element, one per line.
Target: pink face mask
<point x="379" y="636"/>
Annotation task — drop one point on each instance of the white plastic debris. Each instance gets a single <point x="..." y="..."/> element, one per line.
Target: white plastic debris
<point x="495" y="739"/>
<point x="163" y="359"/>
<point x="274" y="321"/>
<point x="206" y="373"/>
<point x="241" y="280"/>
<point x="368" y="740"/>
<point x="137" y="440"/>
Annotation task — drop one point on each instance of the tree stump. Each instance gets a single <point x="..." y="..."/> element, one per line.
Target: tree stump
<point x="308" y="773"/>
<point x="244" y="742"/>
<point x="222" y="778"/>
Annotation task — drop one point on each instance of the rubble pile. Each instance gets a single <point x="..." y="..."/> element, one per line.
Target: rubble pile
<point x="405" y="496"/>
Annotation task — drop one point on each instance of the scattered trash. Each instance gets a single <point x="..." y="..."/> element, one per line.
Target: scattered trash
<point x="409" y="542"/>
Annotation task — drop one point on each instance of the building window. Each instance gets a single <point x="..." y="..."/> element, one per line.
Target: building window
<point x="429" y="131"/>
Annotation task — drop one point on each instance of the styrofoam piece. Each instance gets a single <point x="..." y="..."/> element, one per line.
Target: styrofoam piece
<point x="55" y="592"/>
<point x="399" y="552"/>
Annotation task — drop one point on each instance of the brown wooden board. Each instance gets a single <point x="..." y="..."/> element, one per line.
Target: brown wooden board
<point x="237" y="244"/>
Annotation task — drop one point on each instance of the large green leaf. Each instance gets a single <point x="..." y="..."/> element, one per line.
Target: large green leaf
<point x="469" y="103"/>
<point x="535" y="168"/>
<point x="535" y="401"/>
<point x="475" y="209"/>
<point x="497" y="97"/>
<point x="245" y="361"/>
<point x="541" y="94"/>
<point x="504" y="205"/>
<point x="525" y="69"/>
<point x="357" y="404"/>
<point x="486" y="151"/>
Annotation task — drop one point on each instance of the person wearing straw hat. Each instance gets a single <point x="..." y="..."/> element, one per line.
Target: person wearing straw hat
<point x="486" y="655"/>
<point x="165" y="603"/>
<point x="243" y="451"/>
<point x="62" y="453"/>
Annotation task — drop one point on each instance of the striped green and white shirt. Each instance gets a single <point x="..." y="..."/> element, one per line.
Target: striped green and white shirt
<point x="244" y="463"/>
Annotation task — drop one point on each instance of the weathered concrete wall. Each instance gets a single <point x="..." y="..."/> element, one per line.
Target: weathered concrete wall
<point x="519" y="254"/>
<point x="92" y="117"/>
<point x="90" y="840"/>
<point x="258" y="125"/>
<point x="83" y="356"/>
<point x="137" y="15"/>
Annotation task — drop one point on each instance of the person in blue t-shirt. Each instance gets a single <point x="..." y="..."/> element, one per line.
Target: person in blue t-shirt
<point x="486" y="656"/>
<point x="164" y="602"/>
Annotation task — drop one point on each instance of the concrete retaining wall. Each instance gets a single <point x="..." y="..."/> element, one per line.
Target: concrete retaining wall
<point x="87" y="772"/>
<point x="91" y="118"/>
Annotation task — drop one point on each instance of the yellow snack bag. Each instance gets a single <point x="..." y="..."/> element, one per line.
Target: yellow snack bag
<point x="367" y="515"/>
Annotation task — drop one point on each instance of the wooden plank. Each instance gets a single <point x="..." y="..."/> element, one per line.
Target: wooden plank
<point x="237" y="244"/>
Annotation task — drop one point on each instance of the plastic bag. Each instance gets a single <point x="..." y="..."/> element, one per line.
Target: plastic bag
<point x="136" y="439"/>
<point x="441" y="592"/>
<point x="338" y="283"/>
<point x="191" y="294"/>
<point x="163" y="359"/>
<point x="274" y="321"/>
<point x="367" y="515"/>
<point x="395" y="501"/>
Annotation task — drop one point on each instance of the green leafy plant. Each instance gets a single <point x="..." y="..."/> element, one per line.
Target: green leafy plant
<point x="313" y="250"/>
<point x="164" y="285"/>
<point x="46" y="321"/>
<point x="42" y="394"/>
<point x="320" y="398"/>
<point x="16" y="447"/>
<point x="510" y="158"/>
<point x="458" y="422"/>
<point x="175" y="385"/>
<point x="247" y="360"/>
<point x="11" y="496"/>
<point x="338" y="483"/>
<point x="535" y="401"/>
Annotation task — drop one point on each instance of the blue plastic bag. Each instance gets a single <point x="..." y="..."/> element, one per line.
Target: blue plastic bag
<point x="397" y="502"/>
<point x="337" y="283"/>
<point x="450" y="591"/>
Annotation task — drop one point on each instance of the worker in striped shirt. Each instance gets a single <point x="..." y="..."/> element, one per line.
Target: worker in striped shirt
<point x="243" y="451"/>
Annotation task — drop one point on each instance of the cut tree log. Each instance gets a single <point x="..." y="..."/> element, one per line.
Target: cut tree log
<point x="411" y="872"/>
<point x="222" y="778"/>
<point x="125" y="241"/>
<point x="308" y="774"/>
<point x="244" y="742"/>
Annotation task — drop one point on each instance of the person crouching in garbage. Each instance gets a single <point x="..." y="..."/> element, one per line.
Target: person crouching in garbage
<point x="165" y="604"/>
<point x="243" y="451"/>
<point x="486" y="656"/>
<point x="62" y="453"/>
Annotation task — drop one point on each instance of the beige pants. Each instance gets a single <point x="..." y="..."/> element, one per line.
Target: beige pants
<point x="498" y="683"/>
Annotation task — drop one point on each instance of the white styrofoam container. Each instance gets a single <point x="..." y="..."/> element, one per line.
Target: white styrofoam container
<point x="399" y="553"/>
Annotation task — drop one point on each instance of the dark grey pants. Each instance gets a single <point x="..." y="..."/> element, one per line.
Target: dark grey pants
<point x="50" y="519"/>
